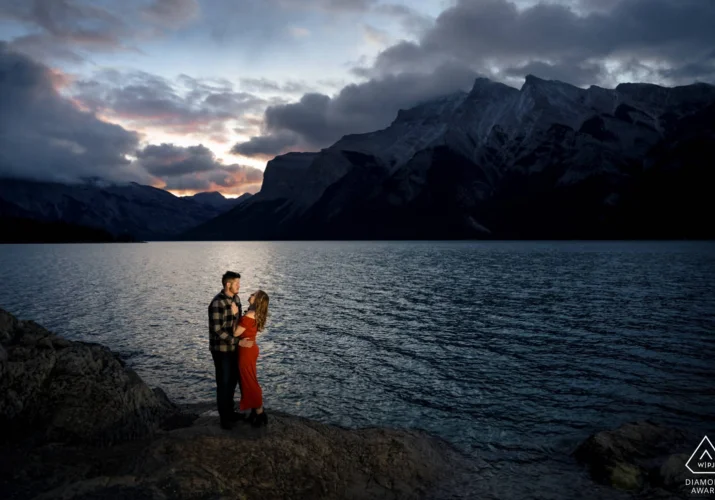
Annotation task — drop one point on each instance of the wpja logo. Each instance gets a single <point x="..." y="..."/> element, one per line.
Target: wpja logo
<point x="702" y="461"/>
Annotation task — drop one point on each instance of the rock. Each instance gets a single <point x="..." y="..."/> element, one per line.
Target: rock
<point x="58" y="390"/>
<point x="637" y="456"/>
<point x="673" y="473"/>
<point x="626" y="477"/>
<point x="291" y="458"/>
<point x="7" y="326"/>
<point x="83" y="426"/>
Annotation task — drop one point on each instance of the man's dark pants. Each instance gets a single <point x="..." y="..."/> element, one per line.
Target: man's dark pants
<point x="226" y="364"/>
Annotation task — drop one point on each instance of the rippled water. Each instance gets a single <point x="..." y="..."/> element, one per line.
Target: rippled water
<point x="513" y="351"/>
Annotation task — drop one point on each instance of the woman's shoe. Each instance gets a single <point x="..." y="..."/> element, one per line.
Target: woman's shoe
<point x="237" y="416"/>
<point x="261" y="419"/>
<point x="252" y="417"/>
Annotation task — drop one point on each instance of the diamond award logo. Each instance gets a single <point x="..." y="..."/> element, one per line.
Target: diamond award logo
<point x="702" y="461"/>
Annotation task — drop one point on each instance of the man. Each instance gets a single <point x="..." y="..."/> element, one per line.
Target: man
<point x="223" y="346"/>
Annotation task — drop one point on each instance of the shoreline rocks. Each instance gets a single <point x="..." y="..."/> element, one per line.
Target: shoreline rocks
<point x="53" y="389"/>
<point x="77" y="423"/>
<point x="642" y="457"/>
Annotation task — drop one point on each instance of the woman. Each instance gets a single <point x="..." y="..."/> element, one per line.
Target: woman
<point x="247" y="328"/>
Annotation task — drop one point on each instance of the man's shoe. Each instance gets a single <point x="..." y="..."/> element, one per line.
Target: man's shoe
<point x="226" y="424"/>
<point x="238" y="416"/>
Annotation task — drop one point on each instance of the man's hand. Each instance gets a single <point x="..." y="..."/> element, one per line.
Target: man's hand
<point x="234" y="308"/>
<point x="245" y="343"/>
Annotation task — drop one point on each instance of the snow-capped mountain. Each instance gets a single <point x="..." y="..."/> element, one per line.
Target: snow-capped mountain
<point x="549" y="160"/>
<point x="142" y="212"/>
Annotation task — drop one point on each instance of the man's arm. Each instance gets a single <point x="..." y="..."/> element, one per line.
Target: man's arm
<point x="217" y="319"/>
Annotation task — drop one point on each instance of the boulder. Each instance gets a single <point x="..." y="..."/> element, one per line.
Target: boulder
<point x="290" y="458"/>
<point x="57" y="390"/>
<point x="78" y="424"/>
<point x="643" y="457"/>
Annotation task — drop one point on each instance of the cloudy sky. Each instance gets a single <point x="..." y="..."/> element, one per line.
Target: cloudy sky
<point x="197" y="95"/>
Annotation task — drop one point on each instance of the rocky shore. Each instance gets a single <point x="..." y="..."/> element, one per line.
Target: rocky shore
<point x="76" y="423"/>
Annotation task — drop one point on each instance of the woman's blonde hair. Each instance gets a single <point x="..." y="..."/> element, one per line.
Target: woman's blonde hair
<point x="260" y="305"/>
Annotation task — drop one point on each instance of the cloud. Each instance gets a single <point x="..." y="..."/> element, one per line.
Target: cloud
<point x="298" y="32"/>
<point x="65" y="27"/>
<point x="69" y="30"/>
<point x="46" y="137"/>
<point x="583" y="42"/>
<point x="171" y="160"/>
<point x="266" y="85"/>
<point x="195" y="168"/>
<point x="184" y="106"/>
<point x="496" y="34"/>
<point x="328" y="5"/>
<point x="172" y="13"/>
<point x="412" y="21"/>
<point x="318" y="120"/>
<point x="375" y="35"/>
<point x="575" y="72"/>
<point x="268" y="146"/>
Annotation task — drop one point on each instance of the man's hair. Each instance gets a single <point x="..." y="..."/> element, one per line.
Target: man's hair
<point x="230" y="276"/>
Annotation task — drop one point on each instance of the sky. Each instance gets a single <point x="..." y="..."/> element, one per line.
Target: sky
<point x="197" y="95"/>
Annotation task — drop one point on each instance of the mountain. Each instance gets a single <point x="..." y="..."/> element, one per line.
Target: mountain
<point x="550" y="160"/>
<point x="216" y="200"/>
<point x="131" y="211"/>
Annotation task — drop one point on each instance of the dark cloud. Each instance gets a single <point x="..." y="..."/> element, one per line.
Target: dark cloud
<point x="267" y="146"/>
<point x="46" y="137"/>
<point x="495" y="33"/>
<point x="583" y="42"/>
<point x="185" y="106"/>
<point x="576" y="72"/>
<point x="41" y="47"/>
<point x="170" y="160"/>
<point x="318" y="120"/>
<point x="195" y="168"/>
<point x="66" y="28"/>
<point x="700" y="71"/>
<point x="71" y="29"/>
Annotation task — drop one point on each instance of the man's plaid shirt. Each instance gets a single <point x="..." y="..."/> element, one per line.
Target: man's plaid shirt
<point x="221" y="320"/>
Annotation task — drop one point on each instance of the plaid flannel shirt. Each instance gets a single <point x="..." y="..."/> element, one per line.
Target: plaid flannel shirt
<point x="221" y="320"/>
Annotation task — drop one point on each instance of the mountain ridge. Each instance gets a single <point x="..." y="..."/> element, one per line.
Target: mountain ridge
<point x="122" y="210"/>
<point x="497" y="147"/>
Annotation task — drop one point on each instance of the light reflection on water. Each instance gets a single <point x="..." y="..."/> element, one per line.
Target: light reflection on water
<point x="513" y="351"/>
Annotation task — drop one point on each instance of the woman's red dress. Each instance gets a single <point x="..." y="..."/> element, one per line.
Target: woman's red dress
<point x="251" y="393"/>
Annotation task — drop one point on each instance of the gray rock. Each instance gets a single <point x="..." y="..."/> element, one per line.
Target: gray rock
<point x="79" y="396"/>
<point x="673" y="473"/>
<point x="54" y="389"/>
<point x="638" y="456"/>
<point x="292" y="458"/>
<point x="8" y="322"/>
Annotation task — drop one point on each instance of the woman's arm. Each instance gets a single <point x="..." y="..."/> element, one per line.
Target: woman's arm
<point x="238" y="329"/>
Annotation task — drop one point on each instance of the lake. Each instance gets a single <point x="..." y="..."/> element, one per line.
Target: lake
<point x="512" y="351"/>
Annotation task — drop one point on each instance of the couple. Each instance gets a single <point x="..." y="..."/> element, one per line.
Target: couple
<point x="232" y="340"/>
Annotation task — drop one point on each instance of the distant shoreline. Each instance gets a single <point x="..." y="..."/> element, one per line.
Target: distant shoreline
<point x="19" y="230"/>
